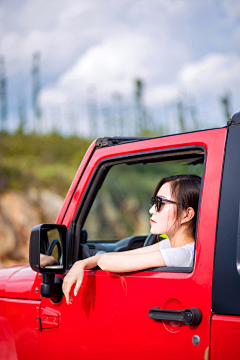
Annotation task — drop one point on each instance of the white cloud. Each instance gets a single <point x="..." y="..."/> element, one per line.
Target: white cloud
<point x="62" y="30"/>
<point x="41" y="14"/>
<point x="232" y="7"/>
<point x="162" y="94"/>
<point x="57" y="29"/>
<point x="113" y="65"/>
<point x="53" y="97"/>
<point x="174" y="6"/>
<point x="8" y="44"/>
<point x="113" y="62"/>
<point x="214" y="73"/>
<point x="73" y="11"/>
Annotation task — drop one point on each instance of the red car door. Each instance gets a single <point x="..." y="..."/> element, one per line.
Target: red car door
<point x="109" y="318"/>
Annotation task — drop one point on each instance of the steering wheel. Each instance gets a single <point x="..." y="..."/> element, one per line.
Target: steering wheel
<point x="150" y="240"/>
<point x="54" y="242"/>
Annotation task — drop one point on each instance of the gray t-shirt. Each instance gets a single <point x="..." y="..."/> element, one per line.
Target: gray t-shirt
<point x="177" y="256"/>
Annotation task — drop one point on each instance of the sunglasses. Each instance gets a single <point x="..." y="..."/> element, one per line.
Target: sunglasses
<point x="158" y="201"/>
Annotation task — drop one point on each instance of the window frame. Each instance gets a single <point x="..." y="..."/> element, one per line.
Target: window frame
<point x="100" y="173"/>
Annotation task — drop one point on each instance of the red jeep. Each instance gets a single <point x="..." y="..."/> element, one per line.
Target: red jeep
<point x="184" y="313"/>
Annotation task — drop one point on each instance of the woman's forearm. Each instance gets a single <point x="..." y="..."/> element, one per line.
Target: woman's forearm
<point x="92" y="261"/>
<point x="127" y="262"/>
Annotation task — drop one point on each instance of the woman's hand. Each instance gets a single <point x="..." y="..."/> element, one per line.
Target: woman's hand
<point x="75" y="275"/>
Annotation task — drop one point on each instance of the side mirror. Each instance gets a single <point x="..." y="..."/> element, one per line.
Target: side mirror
<point x="47" y="248"/>
<point x="47" y="255"/>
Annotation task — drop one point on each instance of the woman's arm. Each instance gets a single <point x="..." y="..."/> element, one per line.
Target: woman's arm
<point x="142" y="250"/>
<point x="130" y="261"/>
<point x="121" y="260"/>
<point x="47" y="260"/>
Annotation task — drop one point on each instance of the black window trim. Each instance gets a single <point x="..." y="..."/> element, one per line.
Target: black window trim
<point x="226" y="278"/>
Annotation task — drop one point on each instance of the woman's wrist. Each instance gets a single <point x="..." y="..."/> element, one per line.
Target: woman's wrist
<point x="85" y="263"/>
<point x="91" y="261"/>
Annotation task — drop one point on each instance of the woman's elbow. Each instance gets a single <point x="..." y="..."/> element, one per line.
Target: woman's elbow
<point x="102" y="262"/>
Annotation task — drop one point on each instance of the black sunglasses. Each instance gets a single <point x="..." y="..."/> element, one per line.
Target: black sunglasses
<point x="158" y="201"/>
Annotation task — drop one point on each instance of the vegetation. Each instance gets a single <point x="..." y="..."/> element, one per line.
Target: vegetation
<point x="47" y="161"/>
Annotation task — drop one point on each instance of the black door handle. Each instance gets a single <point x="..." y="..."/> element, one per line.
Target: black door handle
<point x="192" y="316"/>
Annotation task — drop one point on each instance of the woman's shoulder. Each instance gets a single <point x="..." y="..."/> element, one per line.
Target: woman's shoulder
<point x="164" y="244"/>
<point x="181" y="256"/>
<point x="189" y="245"/>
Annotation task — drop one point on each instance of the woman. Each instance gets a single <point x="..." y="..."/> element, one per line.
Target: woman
<point x="173" y="212"/>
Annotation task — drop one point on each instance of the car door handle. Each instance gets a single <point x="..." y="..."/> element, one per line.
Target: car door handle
<point x="192" y="316"/>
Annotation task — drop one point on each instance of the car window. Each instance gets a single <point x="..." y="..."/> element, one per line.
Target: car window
<point x="121" y="206"/>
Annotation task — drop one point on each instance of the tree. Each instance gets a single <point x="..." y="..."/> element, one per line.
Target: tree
<point x="36" y="87"/>
<point x="22" y="112"/>
<point x="3" y="93"/>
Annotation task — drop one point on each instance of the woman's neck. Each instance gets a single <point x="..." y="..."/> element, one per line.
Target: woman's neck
<point x="181" y="238"/>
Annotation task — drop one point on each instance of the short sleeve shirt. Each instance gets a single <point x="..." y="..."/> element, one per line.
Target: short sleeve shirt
<point x="177" y="256"/>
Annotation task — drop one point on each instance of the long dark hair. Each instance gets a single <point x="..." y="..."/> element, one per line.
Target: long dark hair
<point x="185" y="189"/>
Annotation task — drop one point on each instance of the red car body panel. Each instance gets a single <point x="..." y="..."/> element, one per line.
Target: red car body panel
<point x="19" y="329"/>
<point x="19" y="282"/>
<point x="225" y="337"/>
<point x="5" y="274"/>
<point x="19" y="309"/>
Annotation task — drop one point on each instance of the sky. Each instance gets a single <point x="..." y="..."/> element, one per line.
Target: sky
<point x="180" y="49"/>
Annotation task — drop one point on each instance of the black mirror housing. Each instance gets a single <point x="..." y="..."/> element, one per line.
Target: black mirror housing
<point x="49" y="241"/>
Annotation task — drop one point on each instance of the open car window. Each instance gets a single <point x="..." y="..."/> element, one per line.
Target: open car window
<point x="116" y="214"/>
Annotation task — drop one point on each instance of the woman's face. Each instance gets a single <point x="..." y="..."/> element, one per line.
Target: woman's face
<point x="164" y="221"/>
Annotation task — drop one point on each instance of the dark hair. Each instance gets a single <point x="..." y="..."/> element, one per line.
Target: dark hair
<point x="185" y="189"/>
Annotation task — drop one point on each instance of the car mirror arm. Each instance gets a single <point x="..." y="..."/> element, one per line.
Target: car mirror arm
<point x="51" y="287"/>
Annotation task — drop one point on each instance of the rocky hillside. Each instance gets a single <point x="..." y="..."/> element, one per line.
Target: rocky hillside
<point x="19" y="212"/>
<point x="35" y="174"/>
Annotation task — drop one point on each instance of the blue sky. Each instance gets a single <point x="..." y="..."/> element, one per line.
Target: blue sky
<point x="179" y="48"/>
